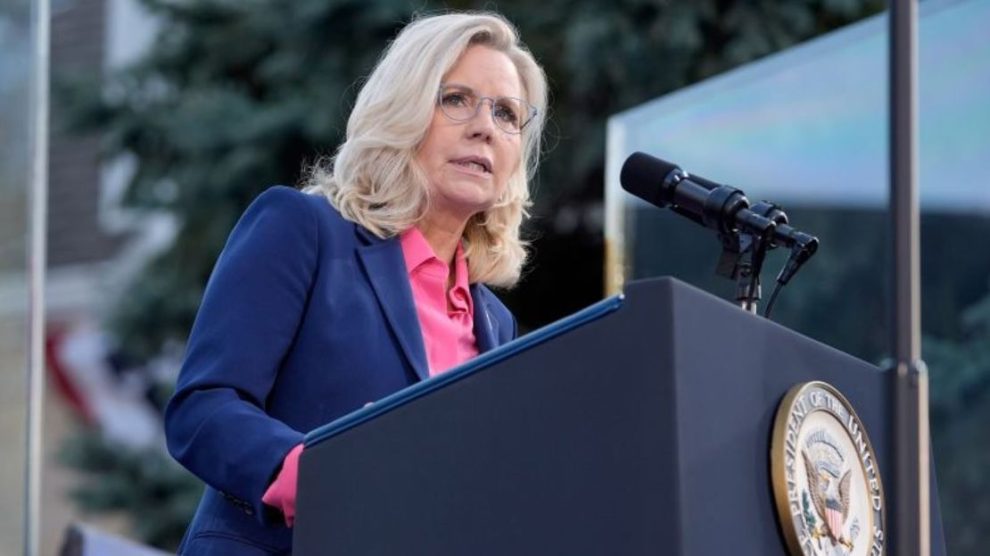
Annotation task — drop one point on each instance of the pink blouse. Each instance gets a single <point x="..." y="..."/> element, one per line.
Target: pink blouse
<point x="446" y="319"/>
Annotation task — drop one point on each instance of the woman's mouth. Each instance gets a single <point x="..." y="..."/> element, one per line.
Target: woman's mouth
<point x="475" y="163"/>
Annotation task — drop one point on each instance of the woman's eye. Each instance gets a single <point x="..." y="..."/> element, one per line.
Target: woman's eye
<point x="506" y="114"/>
<point x="454" y="99"/>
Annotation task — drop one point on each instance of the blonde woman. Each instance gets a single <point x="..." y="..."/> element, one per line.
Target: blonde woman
<point x="370" y="279"/>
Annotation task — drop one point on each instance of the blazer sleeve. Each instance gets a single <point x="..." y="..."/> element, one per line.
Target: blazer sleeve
<point x="216" y="424"/>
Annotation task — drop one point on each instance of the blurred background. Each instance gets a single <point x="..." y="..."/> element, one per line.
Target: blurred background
<point x="169" y="116"/>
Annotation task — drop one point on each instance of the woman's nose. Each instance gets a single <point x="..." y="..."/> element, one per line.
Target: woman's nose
<point x="483" y="121"/>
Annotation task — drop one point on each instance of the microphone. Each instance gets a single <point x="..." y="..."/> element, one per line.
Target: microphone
<point x="720" y="207"/>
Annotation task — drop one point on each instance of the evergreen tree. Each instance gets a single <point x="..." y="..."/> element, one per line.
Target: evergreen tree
<point x="960" y="411"/>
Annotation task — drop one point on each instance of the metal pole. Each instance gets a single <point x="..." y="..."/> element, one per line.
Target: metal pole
<point x="38" y="206"/>
<point x="911" y="513"/>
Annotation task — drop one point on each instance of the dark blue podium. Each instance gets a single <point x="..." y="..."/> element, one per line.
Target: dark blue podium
<point x="640" y="425"/>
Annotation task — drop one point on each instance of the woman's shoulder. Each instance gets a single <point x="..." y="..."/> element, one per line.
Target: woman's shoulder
<point x="282" y="215"/>
<point x="295" y="203"/>
<point x="290" y="197"/>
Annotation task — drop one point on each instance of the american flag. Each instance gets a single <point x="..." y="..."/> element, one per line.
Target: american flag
<point x="833" y="516"/>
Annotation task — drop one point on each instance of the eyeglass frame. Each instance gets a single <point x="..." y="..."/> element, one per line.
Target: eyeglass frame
<point x="532" y="111"/>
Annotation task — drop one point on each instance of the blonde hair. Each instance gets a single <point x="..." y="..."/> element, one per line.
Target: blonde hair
<point x="374" y="180"/>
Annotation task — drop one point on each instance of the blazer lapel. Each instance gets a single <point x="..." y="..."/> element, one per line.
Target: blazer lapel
<point x="485" y="327"/>
<point x="386" y="269"/>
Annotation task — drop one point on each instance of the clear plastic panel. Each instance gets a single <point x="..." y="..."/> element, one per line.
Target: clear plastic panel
<point x="16" y="58"/>
<point x="807" y="129"/>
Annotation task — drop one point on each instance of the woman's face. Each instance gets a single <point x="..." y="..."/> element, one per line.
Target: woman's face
<point x="468" y="163"/>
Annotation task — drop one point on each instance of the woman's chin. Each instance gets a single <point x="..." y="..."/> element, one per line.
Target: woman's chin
<point x="464" y="205"/>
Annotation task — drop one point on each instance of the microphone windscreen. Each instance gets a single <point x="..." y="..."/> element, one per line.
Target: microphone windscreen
<point x="643" y="175"/>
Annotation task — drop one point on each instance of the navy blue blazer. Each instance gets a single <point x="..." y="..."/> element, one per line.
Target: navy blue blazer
<point x="306" y="317"/>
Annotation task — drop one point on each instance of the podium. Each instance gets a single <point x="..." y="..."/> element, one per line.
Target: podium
<point x="640" y="425"/>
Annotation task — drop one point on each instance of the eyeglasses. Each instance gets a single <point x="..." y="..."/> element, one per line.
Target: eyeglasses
<point x="460" y="104"/>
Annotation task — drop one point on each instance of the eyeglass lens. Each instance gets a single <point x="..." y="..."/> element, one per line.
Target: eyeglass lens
<point x="510" y="114"/>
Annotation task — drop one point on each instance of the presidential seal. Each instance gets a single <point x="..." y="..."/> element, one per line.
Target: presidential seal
<point x="826" y="481"/>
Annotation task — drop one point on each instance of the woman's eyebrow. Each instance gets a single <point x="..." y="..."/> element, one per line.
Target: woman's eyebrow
<point x="470" y="91"/>
<point x="460" y="87"/>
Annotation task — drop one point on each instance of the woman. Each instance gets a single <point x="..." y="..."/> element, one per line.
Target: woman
<point x="368" y="281"/>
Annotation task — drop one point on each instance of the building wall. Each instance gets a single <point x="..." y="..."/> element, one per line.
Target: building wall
<point x="75" y="235"/>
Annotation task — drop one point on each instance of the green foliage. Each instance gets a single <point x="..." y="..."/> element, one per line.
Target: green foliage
<point x="960" y="411"/>
<point x="960" y="369"/>
<point x="962" y="457"/>
<point x="156" y="494"/>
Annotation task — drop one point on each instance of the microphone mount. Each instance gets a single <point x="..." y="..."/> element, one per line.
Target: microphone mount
<point x="745" y="232"/>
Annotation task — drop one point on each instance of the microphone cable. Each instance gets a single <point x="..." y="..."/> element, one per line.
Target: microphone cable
<point x="773" y="297"/>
